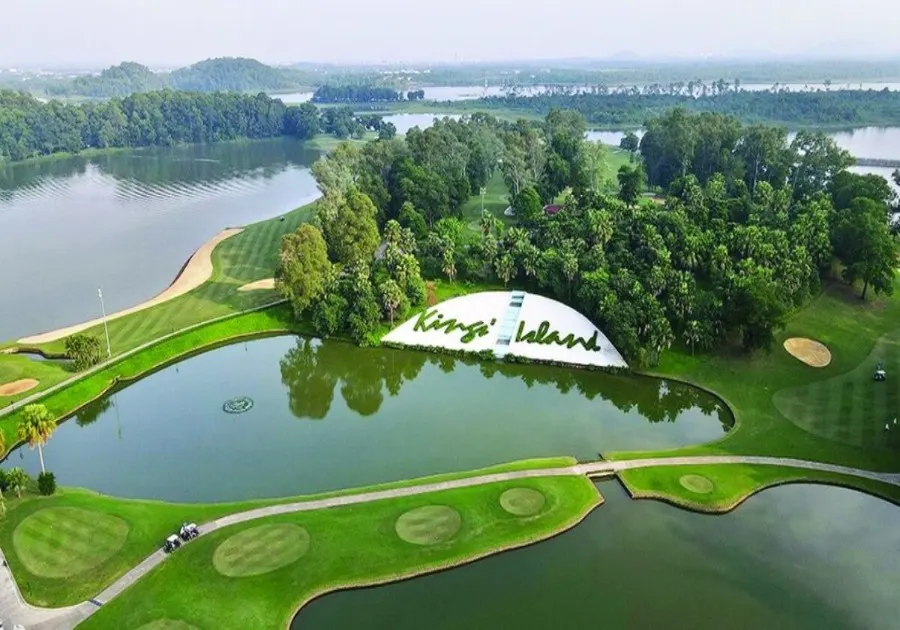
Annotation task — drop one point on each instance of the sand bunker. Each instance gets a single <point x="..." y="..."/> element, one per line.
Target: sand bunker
<point x="259" y="285"/>
<point x="812" y="353"/>
<point x="17" y="387"/>
<point x="197" y="271"/>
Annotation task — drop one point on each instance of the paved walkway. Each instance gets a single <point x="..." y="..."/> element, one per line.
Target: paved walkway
<point x="616" y="466"/>
<point x="14" y="610"/>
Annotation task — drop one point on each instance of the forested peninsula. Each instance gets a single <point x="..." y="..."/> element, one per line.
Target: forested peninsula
<point x="30" y="128"/>
<point x="632" y="108"/>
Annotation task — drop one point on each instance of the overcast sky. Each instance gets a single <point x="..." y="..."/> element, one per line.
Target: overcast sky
<point x="176" y="32"/>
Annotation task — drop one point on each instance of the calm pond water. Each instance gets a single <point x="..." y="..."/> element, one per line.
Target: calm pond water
<point x="792" y="557"/>
<point x="331" y="415"/>
<point x="126" y="222"/>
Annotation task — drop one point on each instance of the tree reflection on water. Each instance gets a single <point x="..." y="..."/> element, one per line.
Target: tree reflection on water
<point x="313" y="369"/>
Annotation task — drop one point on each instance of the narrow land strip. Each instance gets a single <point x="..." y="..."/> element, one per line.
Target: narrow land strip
<point x="13" y="607"/>
<point x="197" y="270"/>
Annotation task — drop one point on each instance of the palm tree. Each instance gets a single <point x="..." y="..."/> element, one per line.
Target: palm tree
<point x="17" y="480"/>
<point x="36" y="427"/>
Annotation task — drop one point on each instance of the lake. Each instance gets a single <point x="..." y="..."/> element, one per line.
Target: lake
<point x="792" y="557"/>
<point x="127" y="221"/>
<point x="867" y="142"/>
<point x="330" y="415"/>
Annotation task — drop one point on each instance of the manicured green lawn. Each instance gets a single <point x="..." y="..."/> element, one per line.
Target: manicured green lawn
<point x="66" y="548"/>
<point x="354" y="545"/>
<point x="244" y="258"/>
<point x="61" y="542"/>
<point x="455" y="107"/>
<point x="14" y="367"/>
<point x="722" y="487"/>
<point x="496" y="200"/>
<point x="852" y="408"/>
<point x="850" y="328"/>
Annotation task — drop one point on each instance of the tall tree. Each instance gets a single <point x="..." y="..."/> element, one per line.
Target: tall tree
<point x="818" y="159"/>
<point x="867" y="248"/>
<point x="84" y="351"/>
<point x="391" y="297"/>
<point x="631" y="182"/>
<point x="36" y="427"/>
<point x="352" y="233"/>
<point x="303" y="267"/>
<point x="630" y="142"/>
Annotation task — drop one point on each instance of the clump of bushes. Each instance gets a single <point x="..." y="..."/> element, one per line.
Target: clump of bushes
<point x="46" y="483"/>
<point x="84" y="351"/>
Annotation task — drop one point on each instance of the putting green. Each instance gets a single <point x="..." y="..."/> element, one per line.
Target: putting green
<point x="167" y="624"/>
<point x="428" y="525"/>
<point x="697" y="484"/>
<point x="261" y="549"/>
<point x="851" y="407"/>
<point x="522" y="501"/>
<point x="65" y="541"/>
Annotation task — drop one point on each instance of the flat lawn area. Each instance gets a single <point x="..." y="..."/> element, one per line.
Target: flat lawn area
<point x="852" y="408"/>
<point x="456" y="107"/>
<point x="244" y="258"/>
<point x="851" y="329"/>
<point x="354" y="545"/>
<point x="13" y="368"/>
<point x="719" y="488"/>
<point x="103" y="537"/>
<point x="496" y="200"/>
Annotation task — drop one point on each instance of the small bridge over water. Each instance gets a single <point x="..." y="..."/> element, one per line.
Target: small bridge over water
<point x="885" y="163"/>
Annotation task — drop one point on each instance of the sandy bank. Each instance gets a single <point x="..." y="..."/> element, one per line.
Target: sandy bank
<point x="259" y="285"/>
<point x="197" y="271"/>
<point x="17" y="387"/>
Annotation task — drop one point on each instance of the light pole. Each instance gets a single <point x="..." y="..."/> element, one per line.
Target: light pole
<point x="105" y="327"/>
<point x="483" y="191"/>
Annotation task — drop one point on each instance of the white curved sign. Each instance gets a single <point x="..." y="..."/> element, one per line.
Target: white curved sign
<point x="510" y="322"/>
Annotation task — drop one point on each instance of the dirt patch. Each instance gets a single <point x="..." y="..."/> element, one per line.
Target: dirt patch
<point x="17" y="387"/>
<point x="260" y="285"/>
<point x="196" y="271"/>
<point x="812" y="353"/>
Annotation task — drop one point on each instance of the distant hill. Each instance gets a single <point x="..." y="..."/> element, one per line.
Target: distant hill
<point x="231" y="74"/>
<point x="121" y="80"/>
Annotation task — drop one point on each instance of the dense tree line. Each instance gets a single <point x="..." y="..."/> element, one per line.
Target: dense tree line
<point x="355" y="94"/>
<point x="750" y="226"/>
<point x="632" y="108"/>
<point x="30" y="128"/>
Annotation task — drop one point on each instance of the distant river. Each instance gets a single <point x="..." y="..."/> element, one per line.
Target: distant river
<point x="472" y="92"/>
<point x="126" y="222"/>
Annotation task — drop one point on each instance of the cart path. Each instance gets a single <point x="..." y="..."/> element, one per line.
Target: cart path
<point x="13" y="609"/>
